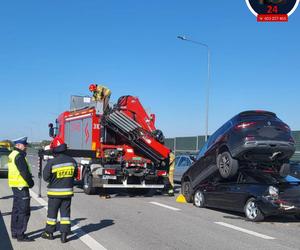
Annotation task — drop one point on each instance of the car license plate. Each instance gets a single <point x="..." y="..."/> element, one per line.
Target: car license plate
<point x="109" y="177"/>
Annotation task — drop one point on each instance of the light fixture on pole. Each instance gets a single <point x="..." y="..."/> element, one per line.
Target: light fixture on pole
<point x="208" y="79"/>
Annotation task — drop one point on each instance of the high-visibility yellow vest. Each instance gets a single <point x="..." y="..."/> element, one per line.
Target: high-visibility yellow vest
<point x="14" y="177"/>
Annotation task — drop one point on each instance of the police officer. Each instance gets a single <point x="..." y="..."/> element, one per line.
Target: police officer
<point x="20" y="180"/>
<point x="59" y="172"/>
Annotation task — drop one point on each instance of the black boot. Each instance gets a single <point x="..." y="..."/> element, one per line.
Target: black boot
<point x="24" y="238"/>
<point x="63" y="237"/>
<point x="47" y="236"/>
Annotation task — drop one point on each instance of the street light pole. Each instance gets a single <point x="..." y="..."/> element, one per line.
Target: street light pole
<point x="208" y="80"/>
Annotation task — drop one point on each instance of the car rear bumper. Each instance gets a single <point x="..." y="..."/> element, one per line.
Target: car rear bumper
<point x="265" y="150"/>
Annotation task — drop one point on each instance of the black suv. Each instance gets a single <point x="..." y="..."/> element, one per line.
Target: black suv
<point x="249" y="138"/>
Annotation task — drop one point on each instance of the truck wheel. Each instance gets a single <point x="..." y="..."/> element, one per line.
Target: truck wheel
<point x="252" y="212"/>
<point x="88" y="184"/>
<point x="186" y="190"/>
<point x="227" y="165"/>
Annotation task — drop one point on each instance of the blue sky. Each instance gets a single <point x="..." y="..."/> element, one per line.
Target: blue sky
<point x="50" y="50"/>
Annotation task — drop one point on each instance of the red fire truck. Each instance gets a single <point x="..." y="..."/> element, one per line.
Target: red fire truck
<point x="119" y="147"/>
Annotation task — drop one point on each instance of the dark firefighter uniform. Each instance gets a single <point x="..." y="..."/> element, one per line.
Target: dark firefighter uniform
<point x="59" y="172"/>
<point x="20" y="180"/>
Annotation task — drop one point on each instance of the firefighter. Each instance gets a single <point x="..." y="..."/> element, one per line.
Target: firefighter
<point x="20" y="180"/>
<point x="59" y="172"/>
<point x="102" y="94"/>
<point x="171" y="173"/>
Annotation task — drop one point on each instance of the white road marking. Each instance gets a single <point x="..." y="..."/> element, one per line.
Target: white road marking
<point x="38" y="199"/>
<point x="263" y="236"/>
<point x="83" y="236"/>
<point x="165" y="206"/>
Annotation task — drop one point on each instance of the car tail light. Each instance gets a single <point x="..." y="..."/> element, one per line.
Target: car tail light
<point x="161" y="173"/>
<point x="245" y="125"/>
<point x="285" y="127"/>
<point x="110" y="171"/>
<point x="78" y="178"/>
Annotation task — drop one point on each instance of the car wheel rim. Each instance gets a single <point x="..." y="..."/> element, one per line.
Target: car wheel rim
<point x="251" y="210"/>
<point x="224" y="165"/>
<point x="198" y="199"/>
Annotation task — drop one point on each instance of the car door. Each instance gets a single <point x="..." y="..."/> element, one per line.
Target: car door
<point x="217" y="195"/>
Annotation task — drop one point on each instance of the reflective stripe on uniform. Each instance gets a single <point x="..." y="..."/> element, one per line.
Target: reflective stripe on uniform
<point x="62" y="165"/>
<point x="51" y="221"/>
<point x="60" y="191"/>
<point x="65" y="220"/>
<point x="62" y="222"/>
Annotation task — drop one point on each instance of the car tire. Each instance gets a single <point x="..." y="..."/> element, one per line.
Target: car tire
<point x="227" y="166"/>
<point x="88" y="183"/>
<point x="297" y="216"/>
<point x="252" y="212"/>
<point x="199" y="200"/>
<point x="186" y="190"/>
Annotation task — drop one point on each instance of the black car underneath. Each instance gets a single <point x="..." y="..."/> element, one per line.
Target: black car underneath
<point x="256" y="192"/>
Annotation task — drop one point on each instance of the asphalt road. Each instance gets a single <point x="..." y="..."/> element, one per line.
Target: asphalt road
<point x="156" y="222"/>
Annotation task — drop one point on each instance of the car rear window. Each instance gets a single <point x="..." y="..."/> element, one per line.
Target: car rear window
<point x="258" y="118"/>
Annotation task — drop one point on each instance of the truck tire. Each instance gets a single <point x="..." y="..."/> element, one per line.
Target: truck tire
<point x="227" y="166"/>
<point x="186" y="190"/>
<point x="88" y="184"/>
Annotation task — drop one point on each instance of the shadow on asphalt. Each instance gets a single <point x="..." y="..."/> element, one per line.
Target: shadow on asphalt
<point x="6" y="197"/>
<point x="33" y="208"/>
<point x="92" y="227"/>
<point x="37" y="233"/>
<point x="270" y="220"/>
<point x="5" y="240"/>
